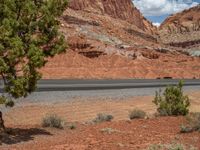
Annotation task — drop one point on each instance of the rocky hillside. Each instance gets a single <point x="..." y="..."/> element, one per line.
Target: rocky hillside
<point x="119" y="9"/>
<point x="182" y="29"/>
<point x="111" y="39"/>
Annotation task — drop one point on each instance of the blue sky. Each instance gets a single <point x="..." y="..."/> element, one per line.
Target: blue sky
<point x="158" y="10"/>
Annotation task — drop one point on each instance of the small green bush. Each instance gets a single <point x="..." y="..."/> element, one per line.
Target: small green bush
<point x="53" y="121"/>
<point x="103" y="118"/>
<point x="137" y="114"/>
<point x="173" y="102"/>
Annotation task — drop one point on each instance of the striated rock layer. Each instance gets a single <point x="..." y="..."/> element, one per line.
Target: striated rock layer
<point x="182" y="29"/>
<point x="185" y="21"/>
<point x="119" y="9"/>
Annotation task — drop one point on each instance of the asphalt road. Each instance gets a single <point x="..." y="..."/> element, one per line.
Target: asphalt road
<point x="54" y="91"/>
<point x="82" y="85"/>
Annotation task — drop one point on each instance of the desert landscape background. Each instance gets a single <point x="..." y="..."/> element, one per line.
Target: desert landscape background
<point x="111" y="39"/>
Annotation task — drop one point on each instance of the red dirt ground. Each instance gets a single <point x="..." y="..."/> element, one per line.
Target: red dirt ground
<point x="127" y="135"/>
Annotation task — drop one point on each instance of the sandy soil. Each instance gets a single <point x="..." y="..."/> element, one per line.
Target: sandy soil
<point x="138" y="134"/>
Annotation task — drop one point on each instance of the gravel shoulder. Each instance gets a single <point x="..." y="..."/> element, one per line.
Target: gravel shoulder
<point x="117" y="94"/>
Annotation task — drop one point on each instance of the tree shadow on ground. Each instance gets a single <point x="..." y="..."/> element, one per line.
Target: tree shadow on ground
<point x="17" y="135"/>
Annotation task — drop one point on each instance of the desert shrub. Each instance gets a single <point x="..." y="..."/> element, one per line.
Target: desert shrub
<point x="137" y="114"/>
<point x="103" y="118"/>
<point x="53" y="121"/>
<point x="193" y="124"/>
<point x="173" y="101"/>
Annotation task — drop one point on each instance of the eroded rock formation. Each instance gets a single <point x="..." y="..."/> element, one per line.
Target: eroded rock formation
<point x="185" y="21"/>
<point x="119" y="9"/>
<point x="182" y="29"/>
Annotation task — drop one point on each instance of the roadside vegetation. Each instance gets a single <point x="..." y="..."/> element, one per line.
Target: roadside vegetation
<point x="53" y="121"/>
<point x="137" y="114"/>
<point x="173" y="102"/>
<point x="102" y="117"/>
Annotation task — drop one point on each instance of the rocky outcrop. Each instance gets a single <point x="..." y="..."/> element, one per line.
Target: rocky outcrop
<point x="185" y="21"/>
<point x="185" y="44"/>
<point x="120" y="9"/>
<point x="182" y="29"/>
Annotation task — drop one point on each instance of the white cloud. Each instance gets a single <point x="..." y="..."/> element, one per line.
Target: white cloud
<point x="156" y="24"/>
<point x="162" y="7"/>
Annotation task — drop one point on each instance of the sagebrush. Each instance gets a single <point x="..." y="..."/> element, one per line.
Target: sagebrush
<point x="53" y="121"/>
<point x="137" y="114"/>
<point x="101" y="117"/>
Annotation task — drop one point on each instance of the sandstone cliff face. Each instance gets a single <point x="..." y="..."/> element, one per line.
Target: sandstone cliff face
<point x="120" y="9"/>
<point x="186" y="21"/>
<point x="182" y="29"/>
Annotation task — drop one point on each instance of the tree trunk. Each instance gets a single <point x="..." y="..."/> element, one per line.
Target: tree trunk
<point x="2" y="127"/>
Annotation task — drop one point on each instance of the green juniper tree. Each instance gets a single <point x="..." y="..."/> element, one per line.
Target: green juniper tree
<point x="173" y="102"/>
<point x="28" y="36"/>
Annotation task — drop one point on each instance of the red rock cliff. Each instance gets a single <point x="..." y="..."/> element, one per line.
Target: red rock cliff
<point x="121" y="9"/>
<point x="185" y="21"/>
<point x="182" y="29"/>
